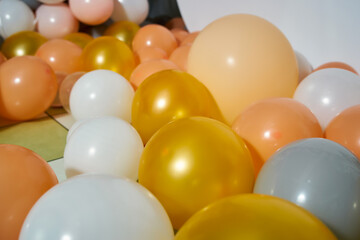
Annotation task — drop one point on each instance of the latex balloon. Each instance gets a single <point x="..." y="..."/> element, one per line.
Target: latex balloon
<point x="130" y="10"/>
<point x="28" y="87"/>
<point x="226" y="47"/>
<point x="320" y="176"/>
<point x="62" y="55"/>
<point x="2" y="58"/>
<point x="15" y="16"/>
<point x="33" y="4"/>
<point x="340" y="65"/>
<point x="22" y="43"/>
<point x="146" y="69"/>
<point x="176" y="22"/>
<point x="65" y="89"/>
<point x="51" y="1"/>
<point x="270" y="124"/>
<point x="156" y="36"/>
<point x="169" y="95"/>
<point x="345" y="129"/>
<point x="56" y="21"/>
<point x="79" y="38"/>
<point x="253" y="216"/>
<point x="98" y="207"/>
<point x="328" y="92"/>
<point x="192" y="162"/>
<point x="180" y="56"/>
<point x="108" y="53"/>
<point x="304" y="66"/>
<point x="60" y="76"/>
<point x="123" y="30"/>
<point x="151" y="53"/>
<point x="179" y="34"/>
<point x="24" y="177"/>
<point x="92" y="12"/>
<point x="190" y="38"/>
<point x="101" y="93"/>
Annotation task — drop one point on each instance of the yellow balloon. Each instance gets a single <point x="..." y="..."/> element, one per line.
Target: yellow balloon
<point x="22" y="43"/>
<point x="123" y="30"/>
<point x="108" y="53"/>
<point x="254" y="217"/>
<point x="169" y="95"/>
<point x="241" y="59"/>
<point x="79" y="38"/>
<point x="192" y="162"/>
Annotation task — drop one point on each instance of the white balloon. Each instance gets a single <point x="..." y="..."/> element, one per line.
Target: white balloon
<point x="328" y="92"/>
<point x="97" y="207"/>
<point x="15" y="16"/>
<point x="51" y="1"/>
<point x="130" y="10"/>
<point x="304" y="66"/>
<point x="74" y="127"/>
<point x="101" y="93"/>
<point x="106" y="145"/>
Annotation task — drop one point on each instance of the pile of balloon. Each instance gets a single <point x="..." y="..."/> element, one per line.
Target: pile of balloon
<point x="223" y="134"/>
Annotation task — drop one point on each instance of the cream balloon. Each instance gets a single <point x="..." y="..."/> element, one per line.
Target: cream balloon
<point x="304" y="66"/>
<point x="130" y="10"/>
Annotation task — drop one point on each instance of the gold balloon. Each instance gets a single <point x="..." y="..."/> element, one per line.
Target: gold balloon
<point x="79" y="38"/>
<point x="108" y="53"/>
<point x="192" y="162"/>
<point x="123" y="30"/>
<point x="22" y="43"/>
<point x="254" y="217"/>
<point x="169" y="95"/>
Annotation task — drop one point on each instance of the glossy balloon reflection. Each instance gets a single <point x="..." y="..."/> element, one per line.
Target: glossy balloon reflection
<point x="320" y="176"/>
<point x="192" y="162"/>
<point x="65" y="89"/>
<point x="253" y="217"/>
<point x="169" y="95"/>
<point x="123" y="30"/>
<point x="79" y="38"/>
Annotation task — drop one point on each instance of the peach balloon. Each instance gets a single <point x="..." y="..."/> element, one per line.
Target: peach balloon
<point x="190" y="38"/>
<point x="156" y="36"/>
<point x="65" y="89"/>
<point x="146" y="69"/>
<point x="345" y="129"/>
<point x="60" y="76"/>
<point x="62" y="55"/>
<point x="2" y="58"/>
<point x="56" y="21"/>
<point x="92" y="12"/>
<point x="179" y="34"/>
<point x="28" y="87"/>
<point x="241" y="59"/>
<point x="24" y="178"/>
<point x="340" y="65"/>
<point x="180" y="56"/>
<point x="176" y="22"/>
<point x="151" y="53"/>
<point x="79" y="38"/>
<point x="269" y="124"/>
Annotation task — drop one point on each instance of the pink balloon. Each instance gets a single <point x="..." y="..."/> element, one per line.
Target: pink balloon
<point x="65" y="89"/>
<point x="92" y="12"/>
<point x="56" y="21"/>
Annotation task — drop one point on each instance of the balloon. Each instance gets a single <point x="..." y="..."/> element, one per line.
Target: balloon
<point x="304" y="66"/>
<point x="15" y="16"/>
<point x="151" y="53"/>
<point x="249" y="58"/>
<point x="28" y="87"/>
<point x="253" y="216"/>
<point x="56" y="21"/>
<point x="192" y="162"/>
<point x="22" y="43"/>
<point x="328" y="92"/>
<point x="180" y="56"/>
<point x="79" y="38"/>
<point x="320" y="176"/>
<point x="60" y="76"/>
<point x="97" y="207"/>
<point x="270" y="124"/>
<point x="190" y="38"/>
<point x="130" y="10"/>
<point x="179" y="34"/>
<point x="340" y="65"/>
<point x="345" y="129"/>
<point x="92" y="12"/>
<point x="169" y="95"/>
<point x="62" y="55"/>
<point x="65" y="89"/>
<point x="123" y="30"/>
<point x="108" y="53"/>
<point x="146" y="69"/>
<point x="51" y="1"/>
<point x="156" y="36"/>
<point x="176" y="23"/>
<point x="2" y="58"/>
<point x="24" y="177"/>
<point x="33" y="4"/>
<point x="101" y="93"/>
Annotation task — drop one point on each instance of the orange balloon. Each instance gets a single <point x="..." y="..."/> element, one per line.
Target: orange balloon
<point x="24" y="178"/>
<point x="345" y="129"/>
<point x="179" y="34"/>
<point x="154" y="35"/>
<point x="190" y="38"/>
<point x="180" y="56"/>
<point x="151" y="53"/>
<point x="177" y="22"/>
<point x="62" y="55"/>
<point x="340" y="65"/>
<point x="269" y="124"/>
<point x="2" y="58"/>
<point x="60" y="76"/>
<point x="146" y="69"/>
<point x="28" y="87"/>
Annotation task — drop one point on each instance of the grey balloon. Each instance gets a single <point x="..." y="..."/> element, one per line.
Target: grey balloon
<point x="320" y="176"/>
